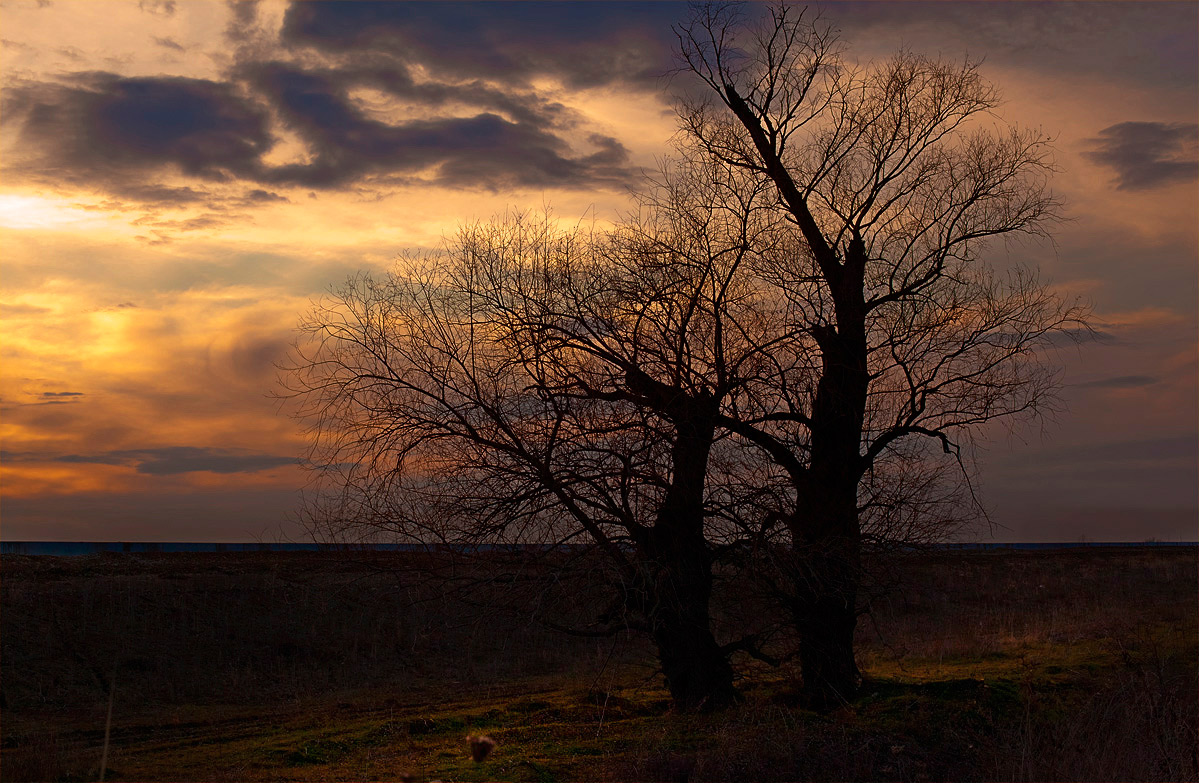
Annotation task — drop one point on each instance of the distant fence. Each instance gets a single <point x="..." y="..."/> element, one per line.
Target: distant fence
<point x="67" y="548"/>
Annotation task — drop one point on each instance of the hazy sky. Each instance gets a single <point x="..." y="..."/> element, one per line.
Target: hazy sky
<point x="180" y="178"/>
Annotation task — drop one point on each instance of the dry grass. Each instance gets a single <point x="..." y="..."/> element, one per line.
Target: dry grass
<point x="988" y="666"/>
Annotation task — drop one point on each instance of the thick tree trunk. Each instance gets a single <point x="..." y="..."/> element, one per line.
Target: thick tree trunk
<point x="824" y="610"/>
<point x="696" y="671"/>
<point x="679" y="591"/>
<point x="827" y="535"/>
<point x="676" y="589"/>
<point x="825" y="531"/>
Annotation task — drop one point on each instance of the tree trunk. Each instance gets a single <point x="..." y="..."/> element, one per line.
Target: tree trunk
<point x="696" y="670"/>
<point x="824" y="610"/>
<point x="676" y="589"/>
<point x="827" y="535"/>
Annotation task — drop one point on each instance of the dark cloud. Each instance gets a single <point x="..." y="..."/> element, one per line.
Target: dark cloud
<point x="62" y="394"/>
<point x="243" y="16"/>
<point x="484" y="151"/>
<point x="1148" y="154"/>
<point x="1103" y="41"/>
<point x="169" y="43"/>
<point x="107" y="130"/>
<point x="259" y="196"/>
<point x="583" y="44"/>
<point x="176" y="459"/>
<point x="1119" y="382"/>
<point x="473" y="119"/>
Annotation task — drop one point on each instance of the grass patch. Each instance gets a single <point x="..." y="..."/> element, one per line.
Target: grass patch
<point x="967" y="679"/>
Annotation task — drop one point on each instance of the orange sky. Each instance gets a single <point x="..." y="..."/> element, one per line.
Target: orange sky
<point x="177" y="187"/>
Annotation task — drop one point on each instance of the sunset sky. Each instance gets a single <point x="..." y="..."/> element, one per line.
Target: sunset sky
<point x="180" y="178"/>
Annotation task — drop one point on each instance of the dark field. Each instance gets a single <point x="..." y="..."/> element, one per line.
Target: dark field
<point x="1066" y="665"/>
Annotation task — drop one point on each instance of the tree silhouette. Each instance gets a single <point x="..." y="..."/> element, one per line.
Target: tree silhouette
<point x="535" y="385"/>
<point x="891" y="177"/>
<point x="791" y="341"/>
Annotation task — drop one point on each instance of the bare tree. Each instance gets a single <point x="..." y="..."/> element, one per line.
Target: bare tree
<point x="532" y="385"/>
<point x="794" y="336"/>
<point x="891" y="177"/>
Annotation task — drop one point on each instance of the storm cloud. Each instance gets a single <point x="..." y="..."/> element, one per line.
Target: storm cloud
<point x="483" y="151"/>
<point x="351" y="96"/>
<point x="1148" y="154"/>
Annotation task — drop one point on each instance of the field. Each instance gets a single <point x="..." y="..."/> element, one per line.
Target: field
<point x="1061" y="665"/>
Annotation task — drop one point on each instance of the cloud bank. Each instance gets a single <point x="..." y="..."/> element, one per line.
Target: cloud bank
<point x="353" y="95"/>
<point x="1148" y="155"/>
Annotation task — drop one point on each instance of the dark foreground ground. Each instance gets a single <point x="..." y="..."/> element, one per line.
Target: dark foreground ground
<point x="1068" y="665"/>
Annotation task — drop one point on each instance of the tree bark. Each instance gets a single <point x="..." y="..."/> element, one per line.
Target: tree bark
<point x="678" y="593"/>
<point x="827" y="536"/>
<point x="676" y="587"/>
<point x="824" y="610"/>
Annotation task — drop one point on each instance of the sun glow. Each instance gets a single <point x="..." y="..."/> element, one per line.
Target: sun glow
<point x="23" y="212"/>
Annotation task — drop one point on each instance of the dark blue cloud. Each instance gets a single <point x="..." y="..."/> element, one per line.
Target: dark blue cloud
<point x="110" y="132"/>
<point x="170" y="460"/>
<point x="465" y="73"/>
<point x="483" y="151"/>
<point x="201" y="126"/>
<point x="1148" y="154"/>
<point x="107" y="129"/>
<point x="584" y="44"/>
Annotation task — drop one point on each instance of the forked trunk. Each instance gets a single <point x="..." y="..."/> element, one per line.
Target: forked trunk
<point x="827" y="535"/>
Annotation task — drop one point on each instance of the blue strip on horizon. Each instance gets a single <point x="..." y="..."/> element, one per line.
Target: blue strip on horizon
<point x="70" y="548"/>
